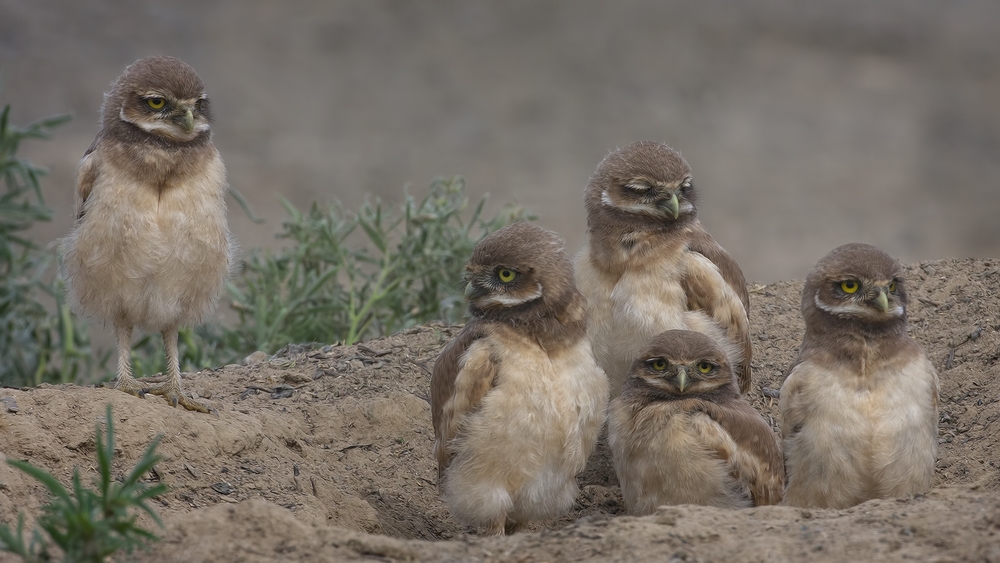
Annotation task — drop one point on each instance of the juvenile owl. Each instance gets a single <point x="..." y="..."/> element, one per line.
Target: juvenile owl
<point x="150" y="247"/>
<point x="681" y="433"/>
<point x="859" y="408"/>
<point x="517" y="400"/>
<point x="650" y="266"/>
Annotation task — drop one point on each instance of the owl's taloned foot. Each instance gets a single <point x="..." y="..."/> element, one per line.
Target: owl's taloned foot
<point x="153" y="379"/>
<point x="171" y="392"/>
<point x="130" y="385"/>
<point x="496" y="529"/>
<point x="504" y="527"/>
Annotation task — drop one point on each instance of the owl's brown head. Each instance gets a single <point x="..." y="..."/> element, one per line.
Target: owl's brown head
<point x="519" y="274"/>
<point x="158" y="98"/>
<point x="855" y="287"/>
<point x="679" y="363"/>
<point x="644" y="186"/>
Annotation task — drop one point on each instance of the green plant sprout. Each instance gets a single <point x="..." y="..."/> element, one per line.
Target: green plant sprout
<point x="88" y="525"/>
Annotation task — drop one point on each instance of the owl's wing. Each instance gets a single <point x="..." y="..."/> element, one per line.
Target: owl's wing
<point x="703" y="243"/>
<point x="463" y="374"/>
<point x="86" y="175"/>
<point x="705" y="291"/>
<point x="756" y="460"/>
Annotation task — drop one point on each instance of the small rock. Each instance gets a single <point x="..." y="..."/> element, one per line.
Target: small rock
<point x="10" y="403"/>
<point x="257" y="357"/>
<point x="194" y="471"/>
<point x="282" y="392"/>
<point x="223" y="488"/>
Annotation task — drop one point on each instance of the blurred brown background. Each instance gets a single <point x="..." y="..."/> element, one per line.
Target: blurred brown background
<point x="807" y="124"/>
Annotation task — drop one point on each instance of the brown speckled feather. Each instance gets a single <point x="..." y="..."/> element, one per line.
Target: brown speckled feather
<point x="764" y="477"/>
<point x="703" y="243"/>
<point x="85" y="178"/>
<point x="459" y="381"/>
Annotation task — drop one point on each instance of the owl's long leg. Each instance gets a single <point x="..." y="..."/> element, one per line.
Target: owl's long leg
<point x="125" y="381"/>
<point x="171" y="389"/>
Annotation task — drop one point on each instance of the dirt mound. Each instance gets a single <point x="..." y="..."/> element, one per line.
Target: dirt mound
<point x="324" y="453"/>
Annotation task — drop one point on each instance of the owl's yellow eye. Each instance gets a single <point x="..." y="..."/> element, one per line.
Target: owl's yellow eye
<point x="705" y="367"/>
<point x="849" y="286"/>
<point x="892" y="287"/>
<point x="156" y="103"/>
<point x="658" y="364"/>
<point x="506" y="275"/>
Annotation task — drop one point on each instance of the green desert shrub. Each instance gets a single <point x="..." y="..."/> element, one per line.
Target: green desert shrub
<point x="40" y="341"/>
<point x="342" y="276"/>
<point x="350" y="276"/>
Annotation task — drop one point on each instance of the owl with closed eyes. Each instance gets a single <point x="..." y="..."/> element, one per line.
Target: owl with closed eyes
<point x="649" y="264"/>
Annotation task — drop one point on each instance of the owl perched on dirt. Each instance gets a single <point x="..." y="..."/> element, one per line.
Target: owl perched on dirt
<point x="681" y="433"/>
<point x="650" y="266"/>
<point x="859" y="407"/>
<point x="517" y="400"/>
<point x="150" y="247"/>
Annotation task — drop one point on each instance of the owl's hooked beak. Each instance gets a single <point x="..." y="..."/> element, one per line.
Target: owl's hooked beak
<point x="672" y="204"/>
<point x="882" y="300"/>
<point x="681" y="378"/>
<point x="187" y="120"/>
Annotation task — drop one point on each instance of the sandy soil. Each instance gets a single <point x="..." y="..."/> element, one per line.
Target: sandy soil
<point x="324" y="454"/>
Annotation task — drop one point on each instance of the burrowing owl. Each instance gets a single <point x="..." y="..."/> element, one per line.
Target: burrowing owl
<point x="859" y="406"/>
<point x="681" y="433"/>
<point x="150" y="247"/>
<point x="517" y="399"/>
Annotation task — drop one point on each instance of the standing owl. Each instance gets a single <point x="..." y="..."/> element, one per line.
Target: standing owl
<point x="681" y="433"/>
<point x="150" y="247"/>
<point x="517" y="400"/>
<point x="650" y="266"/>
<point x="859" y="408"/>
